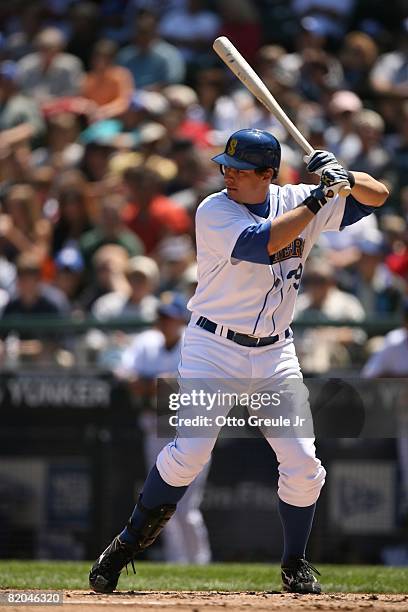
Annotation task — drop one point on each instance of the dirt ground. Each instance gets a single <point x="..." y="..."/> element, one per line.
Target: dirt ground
<point x="216" y="601"/>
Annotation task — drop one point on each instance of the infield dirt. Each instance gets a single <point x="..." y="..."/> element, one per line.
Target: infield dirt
<point x="216" y="601"/>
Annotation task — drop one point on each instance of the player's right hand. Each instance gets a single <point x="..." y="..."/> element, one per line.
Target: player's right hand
<point x="319" y="160"/>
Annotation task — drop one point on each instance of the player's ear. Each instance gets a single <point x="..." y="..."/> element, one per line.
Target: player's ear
<point x="269" y="174"/>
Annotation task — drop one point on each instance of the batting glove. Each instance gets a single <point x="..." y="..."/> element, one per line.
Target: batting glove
<point x="319" y="160"/>
<point x="333" y="179"/>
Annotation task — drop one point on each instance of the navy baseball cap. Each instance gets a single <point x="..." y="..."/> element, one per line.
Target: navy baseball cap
<point x="69" y="258"/>
<point x="250" y="149"/>
<point x="173" y="305"/>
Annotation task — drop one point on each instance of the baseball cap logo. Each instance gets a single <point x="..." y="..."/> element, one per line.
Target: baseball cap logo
<point x="232" y="146"/>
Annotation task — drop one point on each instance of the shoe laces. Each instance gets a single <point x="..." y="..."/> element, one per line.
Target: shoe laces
<point x="133" y="567"/>
<point x="118" y="558"/>
<point x="306" y="568"/>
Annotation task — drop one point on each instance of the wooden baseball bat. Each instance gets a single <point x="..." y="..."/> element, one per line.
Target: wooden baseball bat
<point x="247" y="75"/>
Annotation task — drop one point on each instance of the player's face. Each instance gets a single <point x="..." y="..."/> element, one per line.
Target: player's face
<point x="246" y="186"/>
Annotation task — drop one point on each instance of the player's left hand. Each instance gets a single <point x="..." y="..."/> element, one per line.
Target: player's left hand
<point x="319" y="160"/>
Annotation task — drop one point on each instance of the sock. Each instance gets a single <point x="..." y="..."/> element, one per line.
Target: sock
<point x="297" y="525"/>
<point x="155" y="492"/>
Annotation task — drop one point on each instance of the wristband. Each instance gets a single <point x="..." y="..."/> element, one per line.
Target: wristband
<point x="351" y="179"/>
<point x="312" y="204"/>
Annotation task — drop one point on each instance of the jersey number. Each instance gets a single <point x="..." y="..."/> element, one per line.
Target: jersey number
<point x="296" y="274"/>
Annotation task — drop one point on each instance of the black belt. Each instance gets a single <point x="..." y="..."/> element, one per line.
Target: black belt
<point x="243" y="339"/>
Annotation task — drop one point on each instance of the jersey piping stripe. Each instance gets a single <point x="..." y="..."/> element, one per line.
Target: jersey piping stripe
<point x="281" y="291"/>
<point x="264" y="304"/>
<point x="273" y="285"/>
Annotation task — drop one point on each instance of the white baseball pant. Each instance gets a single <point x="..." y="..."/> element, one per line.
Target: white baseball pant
<point x="207" y="356"/>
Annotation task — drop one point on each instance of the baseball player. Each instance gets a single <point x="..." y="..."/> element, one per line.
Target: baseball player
<point x="391" y="361"/>
<point x="156" y="353"/>
<point x="253" y="239"/>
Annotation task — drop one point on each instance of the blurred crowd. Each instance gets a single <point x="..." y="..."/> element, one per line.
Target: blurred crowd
<point x="109" y="114"/>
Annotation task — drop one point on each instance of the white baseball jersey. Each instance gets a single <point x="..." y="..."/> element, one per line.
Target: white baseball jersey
<point x="252" y="298"/>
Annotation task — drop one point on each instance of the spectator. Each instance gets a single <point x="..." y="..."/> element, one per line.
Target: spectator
<point x="21" y="42"/>
<point x="320" y="74"/>
<point x="42" y="180"/>
<point x="149" y="213"/>
<point x="143" y="106"/>
<point x="341" y="137"/>
<point x="188" y="281"/>
<point x="323" y="300"/>
<point x="400" y="153"/>
<point x="389" y="75"/>
<point x="191" y="171"/>
<point x="107" y="87"/>
<point x="175" y="254"/>
<point x="242" y="25"/>
<point x="310" y="61"/>
<point x="372" y="157"/>
<point x="62" y="148"/>
<point x="332" y="16"/>
<point x="99" y="140"/>
<point x="108" y="274"/>
<point x="15" y="164"/>
<point x="397" y="260"/>
<point x="69" y="275"/>
<point x="32" y="297"/>
<point x="109" y="230"/>
<point x="84" y="30"/>
<point x="73" y="218"/>
<point x="142" y="275"/>
<point x="394" y="229"/>
<point x="192" y="29"/>
<point x="21" y="227"/>
<point x="152" y="62"/>
<point x="392" y="359"/>
<point x="48" y="72"/>
<point x="391" y="362"/>
<point x="326" y="347"/>
<point x="17" y="109"/>
<point x="182" y="119"/>
<point x="357" y="55"/>
<point x="377" y="289"/>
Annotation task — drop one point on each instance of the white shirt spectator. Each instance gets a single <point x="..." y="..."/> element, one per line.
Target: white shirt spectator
<point x="331" y="14"/>
<point x="190" y="27"/>
<point x="350" y="236"/>
<point x="117" y="304"/>
<point x="63" y="77"/>
<point x="390" y="69"/>
<point x="337" y="305"/>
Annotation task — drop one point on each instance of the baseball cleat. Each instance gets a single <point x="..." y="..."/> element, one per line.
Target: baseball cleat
<point x="105" y="572"/>
<point x="298" y="577"/>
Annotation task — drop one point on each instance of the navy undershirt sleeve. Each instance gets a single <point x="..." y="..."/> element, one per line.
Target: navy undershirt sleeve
<point x="354" y="211"/>
<point x="252" y="244"/>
